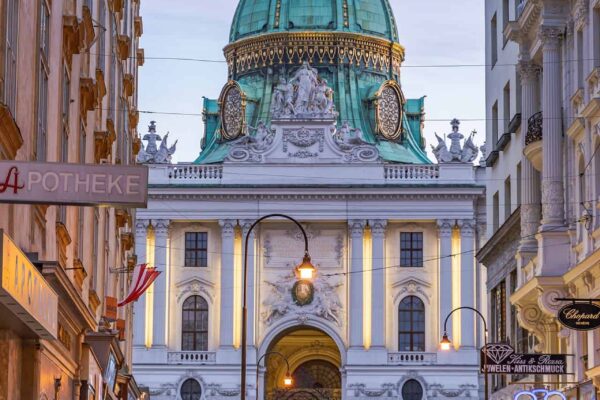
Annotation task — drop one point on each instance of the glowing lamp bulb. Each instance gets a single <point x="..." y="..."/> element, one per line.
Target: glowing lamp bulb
<point x="306" y="270"/>
<point x="288" y="381"/>
<point x="445" y="344"/>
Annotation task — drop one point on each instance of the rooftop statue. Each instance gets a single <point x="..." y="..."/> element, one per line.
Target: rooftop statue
<point x="152" y="154"/>
<point x="305" y="95"/>
<point x="457" y="153"/>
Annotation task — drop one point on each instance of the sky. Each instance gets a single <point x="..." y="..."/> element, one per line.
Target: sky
<point x="443" y="39"/>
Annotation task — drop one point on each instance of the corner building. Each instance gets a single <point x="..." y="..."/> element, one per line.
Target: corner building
<point x="543" y="183"/>
<point x="68" y="77"/>
<point x="312" y="123"/>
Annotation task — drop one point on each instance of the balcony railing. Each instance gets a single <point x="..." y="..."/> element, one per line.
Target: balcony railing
<point x="411" y="172"/>
<point x="191" y="357"/>
<point x="534" y="129"/>
<point x="196" y="172"/>
<point x="412" y="358"/>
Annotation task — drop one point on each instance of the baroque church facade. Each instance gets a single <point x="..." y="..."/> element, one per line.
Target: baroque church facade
<point x="313" y="124"/>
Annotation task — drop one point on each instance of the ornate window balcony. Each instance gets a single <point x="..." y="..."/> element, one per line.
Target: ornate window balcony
<point x="192" y="357"/>
<point x="533" y="141"/>
<point x="412" y="358"/>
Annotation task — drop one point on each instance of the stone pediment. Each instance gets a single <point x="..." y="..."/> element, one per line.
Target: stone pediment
<point x="307" y="141"/>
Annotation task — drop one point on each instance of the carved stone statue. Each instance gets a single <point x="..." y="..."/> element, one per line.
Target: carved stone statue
<point x="348" y="136"/>
<point x="457" y="153"/>
<point x="304" y="96"/>
<point x="153" y="155"/>
<point x="306" y="82"/>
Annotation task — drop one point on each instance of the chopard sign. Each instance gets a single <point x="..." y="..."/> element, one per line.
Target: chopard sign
<point x="580" y="316"/>
<point x="76" y="184"/>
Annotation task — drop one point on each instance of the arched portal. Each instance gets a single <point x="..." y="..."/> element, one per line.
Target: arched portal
<point x="315" y="363"/>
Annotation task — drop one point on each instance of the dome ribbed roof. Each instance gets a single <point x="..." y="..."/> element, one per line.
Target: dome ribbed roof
<point x="371" y="17"/>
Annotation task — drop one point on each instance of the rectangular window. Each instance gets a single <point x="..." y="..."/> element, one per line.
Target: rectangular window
<point x="495" y="125"/>
<point x="498" y="302"/>
<point x="95" y="240"/>
<point x="507" y="114"/>
<point x="196" y="249"/>
<point x="580" y="59"/>
<point x="66" y="97"/>
<point x="9" y="88"/>
<point x="80" y="229"/>
<point x="596" y="39"/>
<point x="102" y="36"/>
<point x="494" y="40"/>
<point x="112" y="86"/>
<point x="505" y="19"/>
<point x="495" y="212"/>
<point x="507" y="199"/>
<point x="43" y="73"/>
<point x="411" y="249"/>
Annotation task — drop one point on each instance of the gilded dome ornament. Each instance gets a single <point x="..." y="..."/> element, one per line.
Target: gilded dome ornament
<point x="389" y="110"/>
<point x="233" y="111"/>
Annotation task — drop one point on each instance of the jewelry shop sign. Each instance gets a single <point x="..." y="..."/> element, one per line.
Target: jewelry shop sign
<point x="500" y="358"/>
<point x="580" y="316"/>
<point x="73" y="184"/>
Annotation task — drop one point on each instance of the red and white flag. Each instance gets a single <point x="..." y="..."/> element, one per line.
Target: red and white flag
<point x="143" y="276"/>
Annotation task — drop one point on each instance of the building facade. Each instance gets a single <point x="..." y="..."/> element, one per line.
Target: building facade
<point x="312" y="124"/>
<point x="68" y="77"/>
<point x="542" y="91"/>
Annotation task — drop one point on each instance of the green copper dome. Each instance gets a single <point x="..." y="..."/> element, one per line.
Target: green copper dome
<point x="255" y="17"/>
<point x="353" y="47"/>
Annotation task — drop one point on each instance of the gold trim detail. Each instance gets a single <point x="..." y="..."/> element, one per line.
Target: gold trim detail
<point x="277" y="13"/>
<point x="329" y="48"/>
<point x="232" y="106"/>
<point x="389" y="110"/>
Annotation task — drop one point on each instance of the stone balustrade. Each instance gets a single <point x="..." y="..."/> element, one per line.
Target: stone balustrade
<point x="191" y="357"/>
<point x="411" y="172"/>
<point x="412" y="358"/>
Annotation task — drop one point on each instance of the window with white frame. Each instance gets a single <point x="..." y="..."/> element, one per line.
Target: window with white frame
<point x="43" y="73"/>
<point x="196" y="249"/>
<point x="101" y="46"/>
<point x="411" y="324"/>
<point x="194" y="324"/>
<point x="411" y="249"/>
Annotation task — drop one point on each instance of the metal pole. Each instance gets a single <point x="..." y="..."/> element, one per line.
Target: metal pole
<point x="261" y="358"/>
<point x="485" y="374"/>
<point x="244" y="283"/>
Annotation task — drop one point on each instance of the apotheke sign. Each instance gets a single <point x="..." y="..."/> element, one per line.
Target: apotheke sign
<point x="76" y="184"/>
<point x="580" y="316"/>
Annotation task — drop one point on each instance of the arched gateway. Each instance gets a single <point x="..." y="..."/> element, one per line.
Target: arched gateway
<point x="315" y="361"/>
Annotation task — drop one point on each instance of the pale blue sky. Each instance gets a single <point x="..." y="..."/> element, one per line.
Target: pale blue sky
<point x="433" y="32"/>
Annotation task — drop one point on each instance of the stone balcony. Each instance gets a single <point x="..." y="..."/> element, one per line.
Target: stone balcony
<point x="192" y="357"/>
<point x="329" y="174"/>
<point x="533" y="141"/>
<point x="412" y="358"/>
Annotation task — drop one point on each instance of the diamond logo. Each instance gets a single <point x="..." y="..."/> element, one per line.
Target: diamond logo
<point x="498" y="352"/>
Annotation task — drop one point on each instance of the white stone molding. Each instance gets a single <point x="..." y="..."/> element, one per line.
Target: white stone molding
<point x="445" y="227"/>
<point x="531" y="318"/>
<point x="141" y="226"/>
<point x="467" y="227"/>
<point x="161" y="226"/>
<point x="357" y="227"/>
<point x="529" y="71"/>
<point x="581" y="14"/>
<point x="195" y="286"/>
<point x="411" y="286"/>
<point x="378" y="227"/>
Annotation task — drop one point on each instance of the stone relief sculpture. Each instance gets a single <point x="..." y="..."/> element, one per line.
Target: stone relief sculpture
<point x="457" y="153"/>
<point x="153" y="155"/>
<point x="351" y="142"/>
<point x="305" y="95"/>
<point x="345" y="136"/>
<point x="326" y="303"/>
<point x="250" y="147"/>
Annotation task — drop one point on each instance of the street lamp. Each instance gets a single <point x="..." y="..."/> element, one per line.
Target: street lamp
<point x="287" y="380"/>
<point x="305" y="270"/>
<point x="445" y="343"/>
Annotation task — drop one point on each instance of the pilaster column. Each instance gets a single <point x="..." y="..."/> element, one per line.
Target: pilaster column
<point x="552" y="180"/>
<point x="445" y="283"/>
<point x="467" y="283"/>
<point x="355" y="312"/>
<point x="251" y="284"/>
<point x="530" y="186"/>
<point x="227" y="273"/>
<point x="161" y="234"/>
<point x="378" y="227"/>
<point x="139" y="307"/>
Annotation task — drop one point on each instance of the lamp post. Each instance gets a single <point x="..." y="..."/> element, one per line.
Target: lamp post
<point x="445" y="343"/>
<point x="305" y="269"/>
<point x="287" y="381"/>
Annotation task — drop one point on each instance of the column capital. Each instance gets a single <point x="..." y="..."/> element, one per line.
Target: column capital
<point x="378" y="227"/>
<point x="550" y="36"/>
<point x="357" y="226"/>
<point x="529" y="71"/>
<point x="161" y="226"/>
<point x="445" y="227"/>
<point x="246" y="224"/>
<point x="467" y="227"/>
<point x="227" y="227"/>
<point x="141" y="226"/>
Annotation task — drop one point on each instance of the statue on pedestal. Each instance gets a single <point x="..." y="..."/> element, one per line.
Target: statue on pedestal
<point x="152" y="154"/>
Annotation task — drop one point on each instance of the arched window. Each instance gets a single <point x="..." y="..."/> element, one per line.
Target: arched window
<point x="412" y="390"/>
<point x="194" y="324"/>
<point x="190" y="390"/>
<point x="411" y="324"/>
